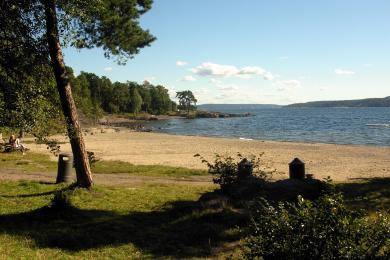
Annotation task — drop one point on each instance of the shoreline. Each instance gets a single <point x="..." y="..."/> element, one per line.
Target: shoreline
<point x="270" y="140"/>
<point x="340" y="162"/>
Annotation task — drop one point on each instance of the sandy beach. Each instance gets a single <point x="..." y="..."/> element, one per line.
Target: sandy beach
<point x="340" y="162"/>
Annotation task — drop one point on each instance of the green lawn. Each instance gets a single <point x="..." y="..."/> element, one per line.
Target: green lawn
<point x="34" y="162"/>
<point x="151" y="221"/>
<point x="369" y="194"/>
<point x="144" y="221"/>
<point x="30" y="162"/>
<point x="146" y="170"/>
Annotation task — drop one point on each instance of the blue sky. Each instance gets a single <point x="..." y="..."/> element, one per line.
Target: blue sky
<point x="257" y="51"/>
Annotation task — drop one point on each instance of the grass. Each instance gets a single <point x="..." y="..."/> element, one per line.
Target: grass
<point x="370" y="194"/>
<point x="147" y="221"/>
<point x="149" y="170"/>
<point x="151" y="221"/>
<point x="30" y="162"/>
<point x="34" y="162"/>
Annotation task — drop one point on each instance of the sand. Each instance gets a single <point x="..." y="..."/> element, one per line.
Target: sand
<point x="340" y="162"/>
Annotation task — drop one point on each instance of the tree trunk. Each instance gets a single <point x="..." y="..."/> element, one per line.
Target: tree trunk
<point x="83" y="171"/>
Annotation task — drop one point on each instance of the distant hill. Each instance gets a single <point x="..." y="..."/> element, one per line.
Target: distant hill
<point x="235" y="107"/>
<point x="368" y="102"/>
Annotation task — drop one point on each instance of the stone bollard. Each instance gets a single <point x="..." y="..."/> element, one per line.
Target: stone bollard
<point x="245" y="169"/>
<point x="65" y="163"/>
<point x="297" y="169"/>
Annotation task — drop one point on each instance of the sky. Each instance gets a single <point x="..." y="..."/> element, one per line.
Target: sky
<point x="258" y="51"/>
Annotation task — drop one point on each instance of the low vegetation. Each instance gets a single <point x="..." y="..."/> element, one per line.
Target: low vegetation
<point x="157" y="220"/>
<point x="151" y="221"/>
<point x="323" y="229"/>
<point x="148" y="170"/>
<point x="30" y="162"/>
<point x="34" y="162"/>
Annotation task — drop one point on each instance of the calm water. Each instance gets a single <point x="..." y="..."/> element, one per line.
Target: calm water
<point x="324" y="125"/>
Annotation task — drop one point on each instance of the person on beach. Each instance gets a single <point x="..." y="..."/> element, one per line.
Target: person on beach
<point x="16" y="144"/>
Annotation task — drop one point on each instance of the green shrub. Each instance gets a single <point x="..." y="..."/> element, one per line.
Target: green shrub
<point x="226" y="169"/>
<point x="324" y="229"/>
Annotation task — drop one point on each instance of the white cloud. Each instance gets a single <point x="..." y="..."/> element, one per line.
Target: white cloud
<point x="252" y="71"/>
<point x="212" y="69"/>
<point x="108" y="69"/>
<point x="344" y="72"/>
<point x="288" y="85"/>
<point x="181" y="63"/>
<point x="188" y="78"/>
<point x="217" y="70"/>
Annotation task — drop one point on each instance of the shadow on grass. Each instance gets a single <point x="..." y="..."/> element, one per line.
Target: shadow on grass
<point x="70" y="187"/>
<point x="180" y="230"/>
<point x="367" y="193"/>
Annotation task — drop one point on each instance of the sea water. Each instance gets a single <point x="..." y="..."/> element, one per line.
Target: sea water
<point x="360" y="126"/>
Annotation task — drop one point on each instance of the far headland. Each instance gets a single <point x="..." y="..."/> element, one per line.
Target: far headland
<point x="367" y="102"/>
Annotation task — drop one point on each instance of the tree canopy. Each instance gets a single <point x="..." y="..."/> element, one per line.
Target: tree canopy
<point x="187" y="100"/>
<point x="99" y="93"/>
<point x="32" y="33"/>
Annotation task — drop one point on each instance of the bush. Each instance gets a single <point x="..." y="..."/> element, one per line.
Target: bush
<point x="226" y="169"/>
<point x="324" y="229"/>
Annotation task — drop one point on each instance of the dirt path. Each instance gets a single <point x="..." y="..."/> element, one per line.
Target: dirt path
<point x="118" y="179"/>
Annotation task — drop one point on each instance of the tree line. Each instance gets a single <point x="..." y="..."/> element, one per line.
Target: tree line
<point x="35" y="85"/>
<point x="94" y="95"/>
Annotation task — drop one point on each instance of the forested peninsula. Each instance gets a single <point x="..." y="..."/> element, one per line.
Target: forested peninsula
<point x="367" y="102"/>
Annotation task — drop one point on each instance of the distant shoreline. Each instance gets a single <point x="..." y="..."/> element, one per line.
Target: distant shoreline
<point x="367" y="102"/>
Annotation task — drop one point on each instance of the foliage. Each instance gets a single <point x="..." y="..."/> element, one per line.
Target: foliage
<point x="136" y="101"/>
<point x="118" y="97"/>
<point x="110" y="24"/>
<point x="226" y="168"/>
<point x="28" y="97"/>
<point x="186" y="99"/>
<point x="53" y="146"/>
<point x="323" y="229"/>
<point x="28" y="29"/>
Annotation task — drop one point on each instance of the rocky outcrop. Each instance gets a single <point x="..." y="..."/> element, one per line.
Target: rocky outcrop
<point x="208" y="114"/>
